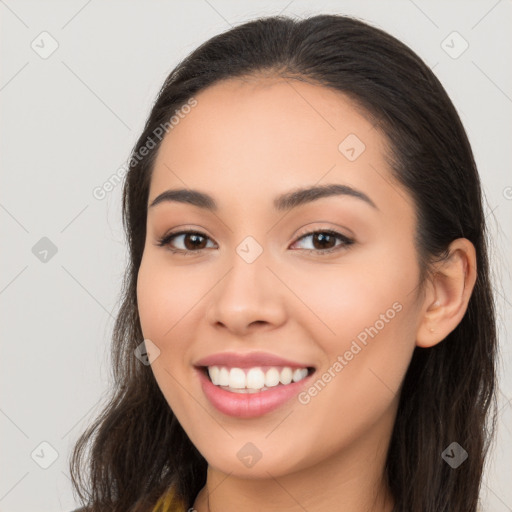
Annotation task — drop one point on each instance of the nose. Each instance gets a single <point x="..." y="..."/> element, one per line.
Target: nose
<point x="248" y="298"/>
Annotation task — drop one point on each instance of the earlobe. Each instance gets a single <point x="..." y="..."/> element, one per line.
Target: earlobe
<point x="451" y="286"/>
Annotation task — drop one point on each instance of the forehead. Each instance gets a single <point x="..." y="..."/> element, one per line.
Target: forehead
<point x="259" y="137"/>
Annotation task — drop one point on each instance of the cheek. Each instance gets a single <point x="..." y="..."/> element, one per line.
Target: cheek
<point x="166" y="294"/>
<point x="159" y="311"/>
<point x="366" y="362"/>
<point x="169" y="306"/>
<point x="343" y="300"/>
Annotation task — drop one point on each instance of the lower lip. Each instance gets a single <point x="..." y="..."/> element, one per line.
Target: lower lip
<point x="249" y="405"/>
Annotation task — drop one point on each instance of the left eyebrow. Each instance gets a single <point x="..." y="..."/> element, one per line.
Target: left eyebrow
<point x="285" y="201"/>
<point x="306" y="195"/>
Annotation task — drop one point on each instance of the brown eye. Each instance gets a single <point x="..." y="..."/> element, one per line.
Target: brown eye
<point x="325" y="241"/>
<point x="192" y="241"/>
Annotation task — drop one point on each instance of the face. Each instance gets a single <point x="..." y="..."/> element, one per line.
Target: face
<point x="328" y="284"/>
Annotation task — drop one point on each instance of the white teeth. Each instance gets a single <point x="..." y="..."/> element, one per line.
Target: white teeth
<point x="299" y="374"/>
<point x="272" y="378"/>
<point x="254" y="379"/>
<point x="223" y="377"/>
<point x="213" y="372"/>
<point x="237" y="378"/>
<point x="286" y="375"/>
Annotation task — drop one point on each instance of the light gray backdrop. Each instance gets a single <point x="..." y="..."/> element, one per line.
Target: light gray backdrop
<point x="77" y="81"/>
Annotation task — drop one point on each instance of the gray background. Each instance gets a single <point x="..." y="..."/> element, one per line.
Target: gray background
<point x="68" y="123"/>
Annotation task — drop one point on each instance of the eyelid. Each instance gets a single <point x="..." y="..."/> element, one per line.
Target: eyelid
<point x="308" y="230"/>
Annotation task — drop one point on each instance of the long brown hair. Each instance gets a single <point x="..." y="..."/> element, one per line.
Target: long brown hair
<point x="138" y="449"/>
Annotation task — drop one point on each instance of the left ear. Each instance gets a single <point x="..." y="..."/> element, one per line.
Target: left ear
<point x="448" y="293"/>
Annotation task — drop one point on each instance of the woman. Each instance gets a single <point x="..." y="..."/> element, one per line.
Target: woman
<point x="309" y="275"/>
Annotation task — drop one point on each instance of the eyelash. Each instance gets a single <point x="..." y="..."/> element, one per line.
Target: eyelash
<point x="165" y="240"/>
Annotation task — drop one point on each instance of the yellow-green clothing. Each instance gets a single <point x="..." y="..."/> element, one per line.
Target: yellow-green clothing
<point x="168" y="503"/>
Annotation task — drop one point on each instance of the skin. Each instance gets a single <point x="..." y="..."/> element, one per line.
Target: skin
<point x="244" y="143"/>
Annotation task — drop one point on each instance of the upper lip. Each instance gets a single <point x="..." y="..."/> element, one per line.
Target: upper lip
<point x="248" y="360"/>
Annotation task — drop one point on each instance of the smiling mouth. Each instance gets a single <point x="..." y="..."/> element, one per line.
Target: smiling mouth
<point x="255" y="379"/>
